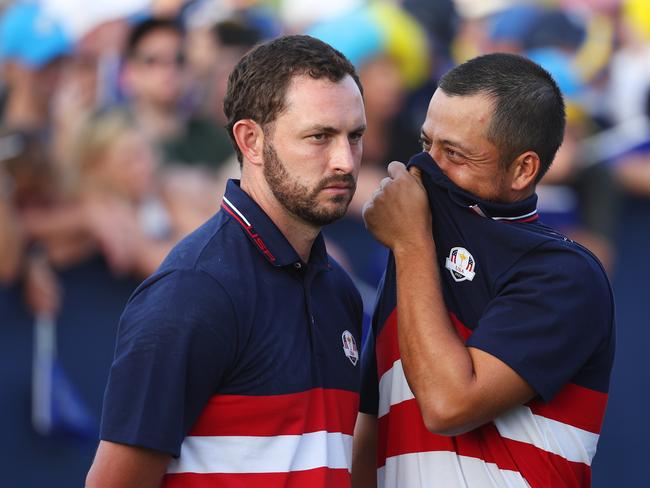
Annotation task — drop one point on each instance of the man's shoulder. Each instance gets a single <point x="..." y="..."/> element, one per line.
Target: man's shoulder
<point x="564" y="257"/>
<point x="566" y="276"/>
<point x="211" y="257"/>
<point x="217" y="248"/>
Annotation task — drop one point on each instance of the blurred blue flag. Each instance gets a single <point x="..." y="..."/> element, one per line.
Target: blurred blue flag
<point x="57" y="408"/>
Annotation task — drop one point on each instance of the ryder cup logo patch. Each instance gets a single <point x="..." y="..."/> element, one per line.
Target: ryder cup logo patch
<point x="460" y="264"/>
<point x="350" y="347"/>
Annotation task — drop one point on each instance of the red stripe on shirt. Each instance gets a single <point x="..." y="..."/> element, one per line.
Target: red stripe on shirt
<point x="543" y="469"/>
<point x="402" y="431"/>
<point x="463" y="331"/>
<point x="320" y="477"/>
<point x="387" y="347"/>
<point x="574" y="405"/>
<point x="291" y="414"/>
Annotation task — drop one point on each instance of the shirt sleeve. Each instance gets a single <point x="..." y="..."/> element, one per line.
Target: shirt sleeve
<point x="553" y="312"/>
<point x="177" y="340"/>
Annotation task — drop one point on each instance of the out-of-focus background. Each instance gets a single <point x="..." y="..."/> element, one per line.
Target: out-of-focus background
<point x="112" y="148"/>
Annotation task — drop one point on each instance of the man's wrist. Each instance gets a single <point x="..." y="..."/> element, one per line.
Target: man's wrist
<point x="414" y="245"/>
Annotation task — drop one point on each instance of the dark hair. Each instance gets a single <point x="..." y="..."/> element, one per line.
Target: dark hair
<point x="144" y="28"/>
<point x="258" y="84"/>
<point x="528" y="106"/>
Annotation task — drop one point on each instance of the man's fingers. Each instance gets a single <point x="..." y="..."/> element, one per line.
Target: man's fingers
<point x="364" y="212"/>
<point x="396" y="168"/>
<point x="384" y="182"/>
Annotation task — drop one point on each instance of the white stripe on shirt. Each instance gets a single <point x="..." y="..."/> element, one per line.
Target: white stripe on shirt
<point x="272" y="454"/>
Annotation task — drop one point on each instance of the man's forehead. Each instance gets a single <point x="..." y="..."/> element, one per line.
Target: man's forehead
<point x="475" y="108"/>
<point x="304" y="84"/>
<point x="323" y="101"/>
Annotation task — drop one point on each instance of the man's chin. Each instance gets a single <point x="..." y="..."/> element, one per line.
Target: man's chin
<point x="330" y="215"/>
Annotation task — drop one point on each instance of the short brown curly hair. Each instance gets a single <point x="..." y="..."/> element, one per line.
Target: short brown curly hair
<point x="258" y="84"/>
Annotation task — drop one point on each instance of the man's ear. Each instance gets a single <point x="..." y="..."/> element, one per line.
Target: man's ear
<point x="525" y="169"/>
<point x="250" y="139"/>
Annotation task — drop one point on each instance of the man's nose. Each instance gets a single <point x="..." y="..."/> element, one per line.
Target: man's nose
<point x="345" y="156"/>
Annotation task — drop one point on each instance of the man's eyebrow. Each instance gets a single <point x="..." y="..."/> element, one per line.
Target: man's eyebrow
<point x="456" y="144"/>
<point x="449" y="142"/>
<point x="327" y="129"/>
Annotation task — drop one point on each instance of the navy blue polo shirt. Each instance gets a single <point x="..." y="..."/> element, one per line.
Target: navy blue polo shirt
<point x="235" y="339"/>
<point x="527" y="295"/>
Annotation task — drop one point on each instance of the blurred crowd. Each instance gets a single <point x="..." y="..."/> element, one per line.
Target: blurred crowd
<point x="112" y="139"/>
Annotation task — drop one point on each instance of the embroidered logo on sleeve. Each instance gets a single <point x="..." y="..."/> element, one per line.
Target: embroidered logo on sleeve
<point x="350" y="347"/>
<point x="460" y="264"/>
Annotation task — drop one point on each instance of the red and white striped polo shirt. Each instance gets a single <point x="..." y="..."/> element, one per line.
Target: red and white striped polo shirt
<point x="537" y="444"/>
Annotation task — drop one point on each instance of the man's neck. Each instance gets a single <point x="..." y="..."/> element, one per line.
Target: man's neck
<point x="300" y="234"/>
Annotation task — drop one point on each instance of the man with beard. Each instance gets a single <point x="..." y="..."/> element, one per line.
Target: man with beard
<point x="237" y="361"/>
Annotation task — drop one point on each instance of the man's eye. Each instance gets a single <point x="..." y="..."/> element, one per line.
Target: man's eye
<point x="452" y="154"/>
<point x="356" y="137"/>
<point x="426" y="145"/>
<point x="318" y="137"/>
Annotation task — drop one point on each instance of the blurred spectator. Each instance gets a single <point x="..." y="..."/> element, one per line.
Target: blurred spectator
<point x="300" y="15"/>
<point x="32" y="47"/>
<point x="38" y="221"/>
<point x="10" y="238"/>
<point x="630" y="65"/>
<point x="153" y="78"/>
<point x="231" y="40"/>
<point x="225" y="42"/>
<point x="127" y="204"/>
<point x="630" y="101"/>
<point x="90" y="81"/>
<point x="213" y="51"/>
<point x="441" y="21"/>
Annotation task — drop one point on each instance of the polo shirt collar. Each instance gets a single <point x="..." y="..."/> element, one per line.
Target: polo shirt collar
<point x="264" y="234"/>
<point x="522" y="211"/>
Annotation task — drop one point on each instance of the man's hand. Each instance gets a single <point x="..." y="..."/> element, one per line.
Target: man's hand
<point x="398" y="214"/>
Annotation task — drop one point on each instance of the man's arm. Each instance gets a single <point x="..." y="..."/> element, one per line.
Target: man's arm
<point x="122" y="466"/>
<point x="364" y="452"/>
<point x="175" y="341"/>
<point x="457" y="388"/>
